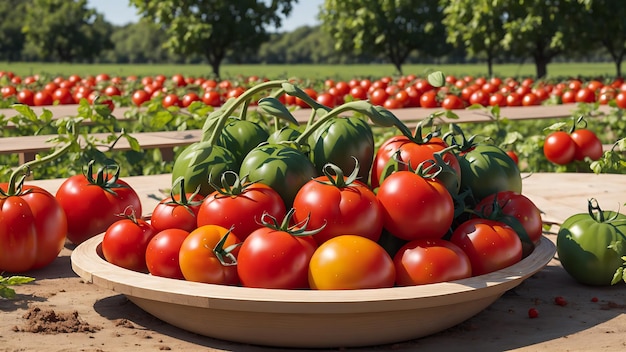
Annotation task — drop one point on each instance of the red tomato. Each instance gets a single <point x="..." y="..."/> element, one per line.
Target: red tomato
<point x="568" y="96"/>
<point x="497" y="99"/>
<point x="513" y="156"/>
<point x="241" y="208"/>
<point x="350" y="262"/>
<point x="42" y="98"/>
<point x="326" y="99"/>
<point x="490" y="245"/>
<point x="587" y="144"/>
<point x="452" y="102"/>
<point x="429" y="261"/>
<point x="275" y="258"/>
<point x="378" y="96"/>
<point x="585" y="95"/>
<point x="509" y="204"/>
<point x="92" y="204"/>
<point x="212" y="98"/>
<point x="358" y="93"/>
<point x="188" y="99"/>
<point x="170" y="100"/>
<point x="338" y="206"/>
<point x="203" y="257"/>
<point x="32" y="229"/>
<point x="530" y="99"/>
<point x="112" y="91"/>
<point x="178" y="211"/>
<point x="415" y="207"/>
<point x="479" y="97"/>
<point x="8" y="91"/>
<point x="140" y="96"/>
<point x="413" y="153"/>
<point x="162" y="253"/>
<point x="513" y="99"/>
<point x="620" y="100"/>
<point x="26" y="97"/>
<point x="125" y="242"/>
<point x="559" y="148"/>
<point x="429" y="99"/>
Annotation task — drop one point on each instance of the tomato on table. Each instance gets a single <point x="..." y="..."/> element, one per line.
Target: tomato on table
<point x="94" y="201"/>
<point x="179" y="210"/>
<point x="559" y="148"/>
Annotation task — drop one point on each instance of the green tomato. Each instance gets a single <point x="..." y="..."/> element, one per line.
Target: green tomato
<point x="590" y="245"/>
<point x="340" y="140"/>
<point x="283" y="168"/>
<point x="241" y="136"/>
<point x="202" y="160"/>
<point x="487" y="169"/>
<point x="285" y="134"/>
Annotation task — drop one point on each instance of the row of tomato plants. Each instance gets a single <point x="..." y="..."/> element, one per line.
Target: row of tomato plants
<point x="390" y="92"/>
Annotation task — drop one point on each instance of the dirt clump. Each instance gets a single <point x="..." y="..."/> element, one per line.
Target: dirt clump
<point x="51" y="322"/>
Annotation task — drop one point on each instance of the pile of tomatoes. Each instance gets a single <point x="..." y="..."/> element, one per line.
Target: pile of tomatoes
<point x="577" y="144"/>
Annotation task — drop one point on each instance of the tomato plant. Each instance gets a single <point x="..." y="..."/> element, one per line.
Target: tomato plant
<point x="209" y="255"/>
<point x="349" y="262"/>
<point x="276" y="255"/>
<point x="490" y="245"/>
<point x="340" y="204"/>
<point x="429" y="261"/>
<point x="93" y="201"/>
<point x="590" y="246"/>
<point x="125" y="241"/>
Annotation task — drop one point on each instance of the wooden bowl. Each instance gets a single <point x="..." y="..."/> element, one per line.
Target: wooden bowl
<point x="307" y="318"/>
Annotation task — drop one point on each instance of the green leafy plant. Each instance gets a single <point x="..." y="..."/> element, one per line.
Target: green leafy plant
<point x="5" y="282"/>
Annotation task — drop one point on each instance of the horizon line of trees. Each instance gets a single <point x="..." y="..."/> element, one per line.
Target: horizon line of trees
<point x="351" y="31"/>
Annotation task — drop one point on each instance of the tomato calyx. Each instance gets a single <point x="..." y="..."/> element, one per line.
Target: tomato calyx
<point x="597" y="213"/>
<point x="105" y="180"/>
<point x="225" y="255"/>
<point x="335" y="176"/>
<point x="231" y="189"/>
<point x="299" y="229"/>
<point x="463" y="144"/>
<point x="130" y="214"/>
<point x="186" y="201"/>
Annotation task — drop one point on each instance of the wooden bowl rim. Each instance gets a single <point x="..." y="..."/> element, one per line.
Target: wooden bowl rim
<point x="89" y="265"/>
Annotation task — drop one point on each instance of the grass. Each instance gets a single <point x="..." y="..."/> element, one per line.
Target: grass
<point x="337" y="72"/>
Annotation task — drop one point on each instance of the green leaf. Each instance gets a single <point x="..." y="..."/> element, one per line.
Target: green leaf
<point x="274" y="107"/>
<point x="437" y="79"/>
<point x="25" y="110"/>
<point x="618" y="276"/>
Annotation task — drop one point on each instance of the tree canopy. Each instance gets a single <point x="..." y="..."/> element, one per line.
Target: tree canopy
<point x="394" y="28"/>
<point x="66" y="29"/>
<point x="215" y="28"/>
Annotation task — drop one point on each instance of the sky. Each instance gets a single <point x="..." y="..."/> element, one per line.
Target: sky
<point x="118" y="12"/>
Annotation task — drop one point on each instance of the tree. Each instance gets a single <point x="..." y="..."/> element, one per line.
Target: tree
<point x="475" y="25"/>
<point x="11" y="21"/>
<point x="606" y="25"/>
<point x="140" y="42"/>
<point x="393" y="28"/>
<point x="66" y="29"/>
<point x="215" y="28"/>
<point x="541" y="29"/>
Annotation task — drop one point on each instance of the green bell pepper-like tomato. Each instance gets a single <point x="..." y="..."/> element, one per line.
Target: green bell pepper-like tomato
<point x="202" y="160"/>
<point x="341" y="139"/>
<point x="591" y="245"/>
<point x="487" y="169"/>
<point x="283" y="168"/>
<point x="241" y="136"/>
